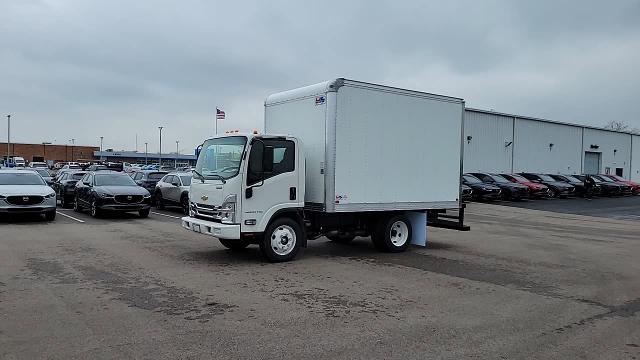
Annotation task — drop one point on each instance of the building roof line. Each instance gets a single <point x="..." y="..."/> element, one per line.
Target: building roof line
<point x="549" y="121"/>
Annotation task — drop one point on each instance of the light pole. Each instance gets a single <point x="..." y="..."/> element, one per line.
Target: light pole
<point x="175" y="165"/>
<point x="160" y="152"/>
<point x="146" y="151"/>
<point x="101" y="138"/>
<point x="8" y="139"/>
<point x="73" y="142"/>
<point x="44" y="151"/>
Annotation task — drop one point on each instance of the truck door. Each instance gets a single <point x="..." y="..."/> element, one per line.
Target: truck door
<point x="267" y="192"/>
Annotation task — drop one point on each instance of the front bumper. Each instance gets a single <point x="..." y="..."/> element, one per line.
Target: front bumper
<point x="221" y="231"/>
<point x="47" y="205"/>
<point x="112" y="205"/>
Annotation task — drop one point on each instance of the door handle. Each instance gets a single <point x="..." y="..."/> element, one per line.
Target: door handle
<point x="292" y="193"/>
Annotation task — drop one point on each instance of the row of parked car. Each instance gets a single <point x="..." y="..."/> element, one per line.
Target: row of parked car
<point x="491" y="186"/>
<point x="96" y="189"/>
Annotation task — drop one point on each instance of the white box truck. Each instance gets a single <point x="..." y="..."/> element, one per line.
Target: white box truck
<point x="340" y="159"/>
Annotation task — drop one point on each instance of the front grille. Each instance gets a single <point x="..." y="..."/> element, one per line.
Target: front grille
<point x="128" y="199"/>
<point x="25" y="200"/>
<point x="207" y="212"/>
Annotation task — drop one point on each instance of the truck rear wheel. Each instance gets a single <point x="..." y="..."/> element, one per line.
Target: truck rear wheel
<point x="392" y="234"/>
<point x="234" y="244"/>
<point x="281" y="240"/>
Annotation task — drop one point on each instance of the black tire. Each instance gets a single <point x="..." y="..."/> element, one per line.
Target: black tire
<point x="94" y="209"/>
<point x="144" y="213"/>
<point x="159" y="201"/>
<point x="50" y="215"/>
<point x="76" y="204"/>
<point x="341" y="238"/>
<point x="389" y="234"/>
<point x="553" y="193"/>
<point x="234" y="245"/>
<point x="64" y="202"/>
<point x="287" y="234"/>
<point x="184" y="201"/>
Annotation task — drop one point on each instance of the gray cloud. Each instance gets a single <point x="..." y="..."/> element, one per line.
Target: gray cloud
<point x="116" y="69"/>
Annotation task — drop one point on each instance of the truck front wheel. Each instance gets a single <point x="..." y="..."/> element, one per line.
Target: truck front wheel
<point x="392" y="234"/>
<point x="282" y="240"/>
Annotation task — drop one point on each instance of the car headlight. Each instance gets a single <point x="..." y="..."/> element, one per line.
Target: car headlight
<point x="105" y="196"/>
<point x="147" y="196"/>
<point x="48" y="196"/>
<point x="228" y="210"/>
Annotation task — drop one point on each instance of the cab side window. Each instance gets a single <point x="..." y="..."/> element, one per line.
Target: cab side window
<point x="283" y="159"/>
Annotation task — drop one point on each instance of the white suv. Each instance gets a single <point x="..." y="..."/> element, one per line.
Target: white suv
<point x="173" y="189"/>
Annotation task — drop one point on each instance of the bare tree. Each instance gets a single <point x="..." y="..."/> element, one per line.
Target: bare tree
<point x="621" y="126"/>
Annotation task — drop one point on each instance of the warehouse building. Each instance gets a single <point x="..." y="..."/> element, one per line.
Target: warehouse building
<point x="47" y="152"/>
<point x="506" y="143"/>
<point x="135" y="157"/>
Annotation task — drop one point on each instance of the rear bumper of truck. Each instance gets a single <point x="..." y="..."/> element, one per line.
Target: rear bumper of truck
<point x="220" y="231"/>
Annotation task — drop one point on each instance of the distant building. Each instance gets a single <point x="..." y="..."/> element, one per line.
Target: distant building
<point x="48" y="152"/>
<point x="135" y="157"/>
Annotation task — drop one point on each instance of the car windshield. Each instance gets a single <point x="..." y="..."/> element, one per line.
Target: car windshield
<point x="186" y="180"/>
<point x="471" y="179"/>
<point x="499" y="179"/>
<point x="43" y="172"/>
<point x="114" y="180"/>
<point x="156" y="175"/>
<point x="74" y="166"/>
<point x="26" y="178"/>
<point x="546" y="177"/>
<point x="571" y="178"/>
<point x="520" y="178"/>
<point x="220" y="158"/>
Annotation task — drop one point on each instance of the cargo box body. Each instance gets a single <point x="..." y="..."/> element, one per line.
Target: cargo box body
<point x="373" y="148"/>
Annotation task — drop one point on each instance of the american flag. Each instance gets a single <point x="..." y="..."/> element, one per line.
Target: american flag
<point x="220" y="114"/>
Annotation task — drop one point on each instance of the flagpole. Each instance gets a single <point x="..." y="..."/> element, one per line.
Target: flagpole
<point x="216" y="120"/>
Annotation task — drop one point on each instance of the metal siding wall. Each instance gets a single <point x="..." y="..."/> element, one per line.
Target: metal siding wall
<point x="486" y="150"/>
<point x="608" y="142"/>
<point x="532" y="151"/>
<point x="635" y="159"/>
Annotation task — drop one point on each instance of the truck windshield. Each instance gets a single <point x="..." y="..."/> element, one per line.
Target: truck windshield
<point x="221" y="157"/>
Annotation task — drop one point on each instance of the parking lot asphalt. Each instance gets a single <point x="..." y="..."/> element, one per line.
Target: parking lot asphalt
<point x="623" y="208"/>
<point x="521" y="284"/>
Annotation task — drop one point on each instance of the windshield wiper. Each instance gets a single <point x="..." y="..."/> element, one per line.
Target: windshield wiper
<point x="224" y="181"/>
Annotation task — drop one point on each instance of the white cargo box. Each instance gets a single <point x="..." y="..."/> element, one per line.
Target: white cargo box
<point x="371" y="147"/>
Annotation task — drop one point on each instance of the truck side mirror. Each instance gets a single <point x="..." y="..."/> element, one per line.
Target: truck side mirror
<point x="267" y="159"/>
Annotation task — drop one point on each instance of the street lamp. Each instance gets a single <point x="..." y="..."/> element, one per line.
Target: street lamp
<point x="101" y="138"/>
<point x="177" y="152"/>
<point x="146" y="151"/>
<point x="44" y="151"/>
<point x="8" y="139"/>
<point x="73" y="142"/>
<point x="160" y="152"/>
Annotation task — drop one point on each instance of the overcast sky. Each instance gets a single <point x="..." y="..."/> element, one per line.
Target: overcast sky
<point x="84" y="69"/>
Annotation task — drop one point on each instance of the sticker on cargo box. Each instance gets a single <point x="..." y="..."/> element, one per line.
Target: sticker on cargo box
<point x="340" y="198"/>
<point x="320" y="99"/>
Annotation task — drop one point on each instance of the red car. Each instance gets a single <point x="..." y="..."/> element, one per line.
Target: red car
<point x="535" y="189"/>
<point x="635" y="187"/>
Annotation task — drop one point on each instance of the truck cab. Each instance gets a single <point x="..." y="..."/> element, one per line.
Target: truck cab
<point x="242" y="185"/>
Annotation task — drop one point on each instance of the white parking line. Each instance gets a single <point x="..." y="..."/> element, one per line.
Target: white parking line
<point x="171" y="216"/>
<point x="70" y="217"/>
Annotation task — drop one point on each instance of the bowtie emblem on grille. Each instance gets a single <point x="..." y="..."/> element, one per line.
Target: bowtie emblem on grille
<point x="204" y="197"/>
<point x="25" y="198"/>
<point x="129" y="197"/>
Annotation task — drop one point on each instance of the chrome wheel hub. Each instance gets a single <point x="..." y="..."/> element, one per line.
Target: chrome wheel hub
<point x="399" y="233"/>
<point x="283" y="240"/>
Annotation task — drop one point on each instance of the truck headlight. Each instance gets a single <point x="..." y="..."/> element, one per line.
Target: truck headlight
<point x="228" y="210"/>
